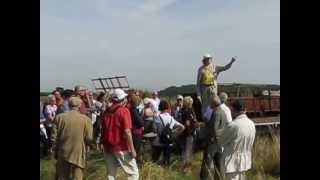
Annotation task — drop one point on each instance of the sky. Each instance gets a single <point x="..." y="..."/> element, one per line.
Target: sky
<point x="157" y="43"/>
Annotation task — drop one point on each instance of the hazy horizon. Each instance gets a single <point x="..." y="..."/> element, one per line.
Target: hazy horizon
<point x="157" y="43"/>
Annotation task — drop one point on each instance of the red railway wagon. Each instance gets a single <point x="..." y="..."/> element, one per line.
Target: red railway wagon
<point x="256" y="106"/>
<point x="259" y="106"/>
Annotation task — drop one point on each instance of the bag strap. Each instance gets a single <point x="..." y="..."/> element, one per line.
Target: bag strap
<point x="161" y="121"/>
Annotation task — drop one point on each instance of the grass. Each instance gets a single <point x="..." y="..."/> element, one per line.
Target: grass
<point x="266" y="165"/>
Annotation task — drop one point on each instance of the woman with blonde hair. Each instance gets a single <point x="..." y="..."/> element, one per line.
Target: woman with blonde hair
<point x="188" y="119"/>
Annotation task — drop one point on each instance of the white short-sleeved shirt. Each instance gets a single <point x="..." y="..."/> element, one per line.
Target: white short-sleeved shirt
<point x="167" y="119"/>
<point x="155" y="105"/>
<point x="51" y="109"/>
<point x="227" y="111"/>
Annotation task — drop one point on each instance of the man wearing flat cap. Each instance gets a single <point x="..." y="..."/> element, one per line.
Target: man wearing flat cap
<point x="207" y="76"/>
<point x="71" y="135"/>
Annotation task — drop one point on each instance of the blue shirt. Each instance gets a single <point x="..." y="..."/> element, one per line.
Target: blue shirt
<point x="64" y="107"/>
<point x="41" y="115"/>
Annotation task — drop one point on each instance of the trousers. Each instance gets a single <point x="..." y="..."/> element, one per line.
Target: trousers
<point x="68" y="171"/>
<point x="127" y="163"/>
<point x="212" y="157"/>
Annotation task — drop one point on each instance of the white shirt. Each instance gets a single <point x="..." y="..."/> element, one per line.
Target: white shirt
<point x="140" y="107"/>
<point x="51" y="109"/>
<point x="157" y="101"/>
<point x="227" y="111"/>
<point x="237" y="140"/>
<point x="155" y="105"/>
<point x="176" y="112"/>
<point x="167" y="119"/>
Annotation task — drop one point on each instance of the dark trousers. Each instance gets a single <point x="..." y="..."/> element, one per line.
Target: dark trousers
<point x="156" y="153"/>
<point x="180" y="144"/>
<point x="49" y="133"/>
<point x="45" y="144"/>
<point x="208" y="158"/>
<point x="97" y="128"/>
<point x="137" y="140"/>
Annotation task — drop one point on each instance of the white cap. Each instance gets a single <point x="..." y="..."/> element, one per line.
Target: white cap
<point x="155" y="93"/>
<point x="180" y="97"/>
<point x="207" y="56"/>
<point x="146" y="100"/>
<point x="118" y="95"/>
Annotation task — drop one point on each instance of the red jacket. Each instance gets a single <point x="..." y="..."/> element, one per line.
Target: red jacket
<point x="115" y="120"/>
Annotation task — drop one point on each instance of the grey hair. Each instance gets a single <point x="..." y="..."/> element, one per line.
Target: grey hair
<point x="223" y="97"/>
<point x="51" y="97"/>
<point x="215" y="100"/>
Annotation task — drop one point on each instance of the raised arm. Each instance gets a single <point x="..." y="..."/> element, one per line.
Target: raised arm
<point x="226" y="67"/>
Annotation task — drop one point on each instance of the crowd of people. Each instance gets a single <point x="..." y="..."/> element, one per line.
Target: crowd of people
<point x="74" y="121"/>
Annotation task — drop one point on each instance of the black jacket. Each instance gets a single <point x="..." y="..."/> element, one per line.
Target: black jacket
<point x="137" y="121"/>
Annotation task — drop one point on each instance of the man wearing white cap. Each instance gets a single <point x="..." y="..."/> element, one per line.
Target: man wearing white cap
<point x="116" y="138"/>
<point x="207" y="76"/>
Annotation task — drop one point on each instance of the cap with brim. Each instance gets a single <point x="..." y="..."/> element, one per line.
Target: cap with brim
<point x="207" y="56"/>
<point x="180" y="97"/>
<point x="118" y="95"/>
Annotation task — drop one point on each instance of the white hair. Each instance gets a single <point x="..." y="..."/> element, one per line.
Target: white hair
<point x="223" y="97"/>
<point x="188" y="101"/>
<point x="51" y="97"/>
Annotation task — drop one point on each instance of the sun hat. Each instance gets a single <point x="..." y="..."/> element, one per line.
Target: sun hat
<point x="180" y="97"/>
<point x="206" y="56"/>
<point x="118" y="95"/>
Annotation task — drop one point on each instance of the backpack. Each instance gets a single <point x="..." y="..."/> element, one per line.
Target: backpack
<point x="166" y="135"/>
<point x="112" y="128"/>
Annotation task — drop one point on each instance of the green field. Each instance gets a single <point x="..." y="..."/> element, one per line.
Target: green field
<point x="266" y="165"/>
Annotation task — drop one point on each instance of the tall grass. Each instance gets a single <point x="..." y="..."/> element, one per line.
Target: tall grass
<point x="266" y="165"/>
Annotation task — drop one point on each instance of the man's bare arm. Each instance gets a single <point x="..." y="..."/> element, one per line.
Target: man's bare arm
<point x="180" y="128"/>
<point x="128" y="135"/>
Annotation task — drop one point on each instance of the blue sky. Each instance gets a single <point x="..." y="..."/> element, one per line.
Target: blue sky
<point x="157" y="43"/>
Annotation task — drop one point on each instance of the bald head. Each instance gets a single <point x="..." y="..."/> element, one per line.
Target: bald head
<point x="215" y="101"/>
